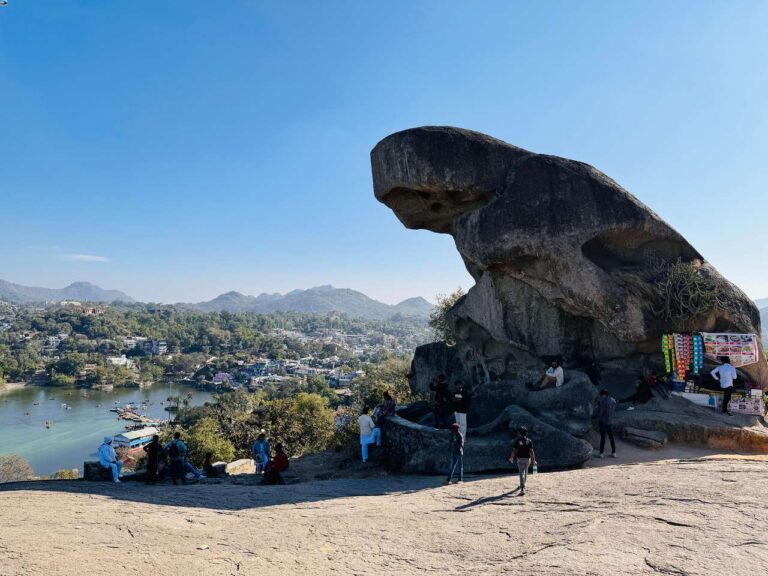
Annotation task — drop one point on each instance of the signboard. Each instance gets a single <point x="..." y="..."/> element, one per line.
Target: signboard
<point x="741" y="349"/>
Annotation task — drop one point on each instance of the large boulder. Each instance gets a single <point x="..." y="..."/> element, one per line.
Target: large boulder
<point x="565" y="261"/>
<point x="418" y="449"/>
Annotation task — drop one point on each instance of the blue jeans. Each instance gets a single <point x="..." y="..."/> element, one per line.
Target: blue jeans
<point x="115" y="468"/>
<point x="177" y="471"/>
<point x="456" y="460"/>
<point x="374" y="436"/>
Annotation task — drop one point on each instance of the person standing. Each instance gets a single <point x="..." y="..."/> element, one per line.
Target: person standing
<point x="108" y="459"/>
<point x="725" y="374"/>
<point x="153" y="459"/>
<point x="523" y="454"/>
<point x="442" y="401"/>
<point x="604" y="410"/>
<point x="177" y="452"/>
<point x="260" y="452"/>
<point x="369" y="433"/>
<point x="457" y="453"/>
<point x="461" y="401"/>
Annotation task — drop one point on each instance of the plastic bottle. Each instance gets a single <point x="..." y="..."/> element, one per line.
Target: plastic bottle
<point x="535" y="469"/>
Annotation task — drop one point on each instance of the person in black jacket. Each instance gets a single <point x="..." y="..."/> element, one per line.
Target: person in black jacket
<point x="153" y="450"/>
<point x="524" y="455"/>
<point x="461" y="401"/>
<point x="443" y="406"/>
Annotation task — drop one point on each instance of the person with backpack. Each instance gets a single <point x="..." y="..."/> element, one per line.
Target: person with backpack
<point x="260" y="452"/>
<point x="177" y="452"/>
<point x="273" y="474"/>
<point x="457" y="453"/>
<point x="524" y="455"/>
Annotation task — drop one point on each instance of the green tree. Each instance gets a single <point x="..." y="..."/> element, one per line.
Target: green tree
<point x="438" y="318"/>
<point x="205" y="436"/>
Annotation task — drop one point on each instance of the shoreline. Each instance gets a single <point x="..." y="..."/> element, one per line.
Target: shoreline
<point x="12" y="387"/>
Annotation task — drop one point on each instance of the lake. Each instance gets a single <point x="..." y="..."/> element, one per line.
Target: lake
<point x="76" y="433"/>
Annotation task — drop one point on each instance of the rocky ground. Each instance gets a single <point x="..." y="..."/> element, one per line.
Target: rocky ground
<point x="689" y="516"/>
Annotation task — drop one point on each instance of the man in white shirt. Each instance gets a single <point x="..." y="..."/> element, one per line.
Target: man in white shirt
<point x="725" y="374"/>
<point x="368" y="432"/>
<point x="554" y="376"/>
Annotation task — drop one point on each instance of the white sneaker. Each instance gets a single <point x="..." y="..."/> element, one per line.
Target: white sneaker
<point x="631" y="408"/>
<point x="614" y="455"/>
<point x="600" y="456"/>
<point x="116" y="481"/>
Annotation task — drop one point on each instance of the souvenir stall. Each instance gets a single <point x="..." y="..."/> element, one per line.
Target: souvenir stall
<point x="684" y="359"/>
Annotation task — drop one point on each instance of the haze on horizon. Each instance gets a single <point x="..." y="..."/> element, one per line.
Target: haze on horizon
<point x="176" y="151"/>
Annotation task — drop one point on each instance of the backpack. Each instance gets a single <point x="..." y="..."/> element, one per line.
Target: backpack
<point x="173" y="450"/>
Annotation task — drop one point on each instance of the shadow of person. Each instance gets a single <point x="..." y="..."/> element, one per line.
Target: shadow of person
<point x="486" y="500"/>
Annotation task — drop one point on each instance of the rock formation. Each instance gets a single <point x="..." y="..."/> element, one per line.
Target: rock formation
<point x="567" y="265"/>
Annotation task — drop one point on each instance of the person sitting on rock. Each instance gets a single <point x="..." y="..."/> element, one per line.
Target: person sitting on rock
<point x="108" y="459"/>
<point x="457" y="453"/>
<point x="642" y="394"/>
<point x="657" y="386"/>
<point x="553" y="377"/>
<point x="273" y="474"/>
<point x="208" y="468"/>
<point x="443" y="401"/>
<point x="387" y="409"/>
<point x="461" y="401"/>
<point x="369" y="433"/>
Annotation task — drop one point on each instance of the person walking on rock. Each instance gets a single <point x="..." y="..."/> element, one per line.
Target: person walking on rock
<point x="108" y="459"/>
<point x="177" y="452"/>
<point x="604" y="410"/>
<point x="725" y="374"/>
<point x="260" y="452"/>
<point x="524" y="455"/>
<point x="461" y="401"/>
<point x="457" y="454"/>
<point x="369" y="433"/>
<point x="153" y="450"/>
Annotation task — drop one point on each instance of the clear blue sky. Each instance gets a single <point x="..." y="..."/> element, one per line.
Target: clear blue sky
<point x="177" y="150"/>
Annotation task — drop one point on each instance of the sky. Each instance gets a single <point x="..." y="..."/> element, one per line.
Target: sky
<point x="177" y="150"/>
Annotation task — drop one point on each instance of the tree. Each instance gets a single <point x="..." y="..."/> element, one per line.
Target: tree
<point x="438" y="318"/>
<point x="205" y="436"/>
<point x="14" y="468"/>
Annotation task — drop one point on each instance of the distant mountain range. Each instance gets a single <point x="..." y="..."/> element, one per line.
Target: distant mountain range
<point x="80" y="291"/>
<point x="320" y="300"/>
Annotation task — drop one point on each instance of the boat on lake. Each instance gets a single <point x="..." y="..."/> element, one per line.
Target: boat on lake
<point x="135" y="439"/>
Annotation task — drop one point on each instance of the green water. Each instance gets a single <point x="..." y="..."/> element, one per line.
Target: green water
<point x="76" y="433"/>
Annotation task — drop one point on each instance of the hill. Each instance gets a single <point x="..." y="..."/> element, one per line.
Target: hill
<point x="81" y="291"/>
<point x="320" y="300"/>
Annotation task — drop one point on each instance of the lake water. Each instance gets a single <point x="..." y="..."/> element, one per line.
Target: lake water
<point x="77" y="433"/>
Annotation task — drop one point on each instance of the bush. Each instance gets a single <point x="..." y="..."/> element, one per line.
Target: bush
<point x="66" y="474"/>
<point x="438" y="318"/>
<point x="14" y="468"/>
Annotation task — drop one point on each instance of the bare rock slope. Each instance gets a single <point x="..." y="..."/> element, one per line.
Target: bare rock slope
<point x="683" y="517"/>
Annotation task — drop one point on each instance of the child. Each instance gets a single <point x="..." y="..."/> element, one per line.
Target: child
<point x="457" y="453"/>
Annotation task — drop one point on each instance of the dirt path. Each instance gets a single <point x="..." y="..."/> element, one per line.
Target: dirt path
<point x="683" y="517"/>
